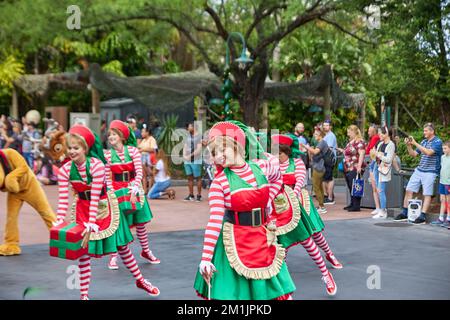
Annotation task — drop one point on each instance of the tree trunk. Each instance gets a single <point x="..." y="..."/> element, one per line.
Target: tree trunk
<point x="251" y="95"/>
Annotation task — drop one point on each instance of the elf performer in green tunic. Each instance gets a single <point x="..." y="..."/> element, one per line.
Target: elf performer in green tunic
<point x="241" y="259"/>
<point x="95" y="207"/>
<point x="124" y="176"/>
<point x="294" y="223"/>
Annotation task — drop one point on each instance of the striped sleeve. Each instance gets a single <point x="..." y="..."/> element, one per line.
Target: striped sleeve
<point x="300" y="176"/>
<point x="63" y="191"/>
<point x="137" y="161"/>
<point x="108" y="174"/>
<point x="214" y="226"/>
<point x="271" y="169"/>
<point x="98" y="179"/>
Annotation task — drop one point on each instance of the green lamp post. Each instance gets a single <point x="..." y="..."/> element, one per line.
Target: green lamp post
<point x="243" y="60"/>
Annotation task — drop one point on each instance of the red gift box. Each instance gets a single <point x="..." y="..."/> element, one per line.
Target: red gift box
<point x="65" y="241"/>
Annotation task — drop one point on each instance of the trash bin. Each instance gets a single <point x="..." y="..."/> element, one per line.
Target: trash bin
<point x="394" y="194"/>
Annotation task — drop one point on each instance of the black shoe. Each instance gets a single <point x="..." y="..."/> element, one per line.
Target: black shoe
<point x="328" y="201"/>
<point x="401" y="217"/>
<point x="189" y="198"/>
<point x="199" y="198"/>
<point x="354" y="209"/>
<point x="347" y="207"/>
<point x="419" y="220"/>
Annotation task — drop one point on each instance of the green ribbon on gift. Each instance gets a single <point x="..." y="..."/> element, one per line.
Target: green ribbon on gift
<point x="62" y="244"/>
<point x="125" y="206"/>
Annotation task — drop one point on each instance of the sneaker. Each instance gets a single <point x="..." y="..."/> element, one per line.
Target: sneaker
<point x="322" y="210"/>
<point x="330" y="284"/>
<point x="329" y="201"/>
<point x="84" y="297"/>
<point x="189" y="198"/>
<point x="374" y="212"/>
<point x="144" y="284"/>
<point x="419" y="220"/>
<point x="445" y="224"/>
<point x="401" y="217"/>
<point x="199" y="198"/>
<point x="112" y="265"/>
<point x="150" y="257"/>
<point x="334" y="262"/>
<point x="437" y="223"/>
<point x="380" y="215"/>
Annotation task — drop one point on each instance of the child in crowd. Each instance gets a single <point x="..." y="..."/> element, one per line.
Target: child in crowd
<point x="444" y="188"/>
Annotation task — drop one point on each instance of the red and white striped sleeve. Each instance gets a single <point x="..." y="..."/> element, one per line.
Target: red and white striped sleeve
<point x="217" y="211"/>
<point x="271" y="169"/>
<point x="300" y="176"/>
<point x="108" y="174"/>
<point x="137" y="161"/>
<point x="98" y="179"/>
<point x="63" y="190"/>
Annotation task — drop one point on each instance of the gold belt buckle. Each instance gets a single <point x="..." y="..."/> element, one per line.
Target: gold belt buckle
<point x="87" y="194"/>
<point x="127" y="175"/>
<point x="254" y="212"/>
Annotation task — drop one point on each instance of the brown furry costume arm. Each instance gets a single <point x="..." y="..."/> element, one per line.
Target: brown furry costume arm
<point x="18" y="176"/>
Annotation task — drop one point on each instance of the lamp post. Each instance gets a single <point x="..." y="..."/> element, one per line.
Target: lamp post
<point x="243" y="60"/>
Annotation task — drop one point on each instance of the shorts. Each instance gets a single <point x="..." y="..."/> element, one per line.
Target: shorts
<point x="444" y="189"/>
<point x="146" y="159"/>
<point x="328" y="176"/>
<point x="193" y="169"/>
<point x="424" y="179"/>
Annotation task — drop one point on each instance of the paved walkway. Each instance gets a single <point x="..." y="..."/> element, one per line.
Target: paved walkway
<point x="170" y="215"/>
<point x="412" y="262"/>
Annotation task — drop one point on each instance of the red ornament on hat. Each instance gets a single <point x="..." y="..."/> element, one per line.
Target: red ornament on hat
<point x="84" y="132"/>
<point x="121" y="126"/>
<point x="282" y="139"/>
<point x="229" y="129"/>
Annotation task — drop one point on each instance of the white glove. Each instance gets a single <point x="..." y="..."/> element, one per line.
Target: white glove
<point x="58" y="222"/>
<point x="206" y="267"/>
<point x="135" y="189"/>
<point x="91" y="227"/>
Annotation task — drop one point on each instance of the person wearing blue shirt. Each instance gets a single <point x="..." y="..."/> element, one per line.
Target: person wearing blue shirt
<point x="328" y="182"/>
<point x="430" y="151"/>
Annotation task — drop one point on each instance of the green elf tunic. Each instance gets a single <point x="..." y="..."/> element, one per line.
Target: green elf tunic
<point x="113" y="227"/>
<point x="293" y="223"/>
<point x="123" y="175"/>
<point x="249" y="261"/>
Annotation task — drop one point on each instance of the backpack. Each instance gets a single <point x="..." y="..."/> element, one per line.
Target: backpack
<point x="329" y="158"/>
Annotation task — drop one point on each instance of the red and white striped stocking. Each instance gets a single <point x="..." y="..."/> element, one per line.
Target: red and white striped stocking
<point x="314" y="253"/>
<point x="322" y="243"/>
<point x="129" y="261"/>
<point x="84" y="264"/>
<point x="141" y="233"/>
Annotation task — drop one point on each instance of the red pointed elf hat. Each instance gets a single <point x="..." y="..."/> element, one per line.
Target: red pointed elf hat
<point x="121" y="126"/>
<point x="282" y="139"/>
<point x="85" y="133"/>
<point x="225" y="128"/>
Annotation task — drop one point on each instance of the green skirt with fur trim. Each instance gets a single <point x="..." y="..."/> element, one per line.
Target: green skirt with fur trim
<point x="303" y="231"/>
<point x="109" y="245"/>
<point x="226" y="284"/>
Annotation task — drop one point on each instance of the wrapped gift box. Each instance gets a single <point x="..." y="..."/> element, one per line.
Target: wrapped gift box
<point x="65" y="241"/>
<point x="125" y="205"/>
